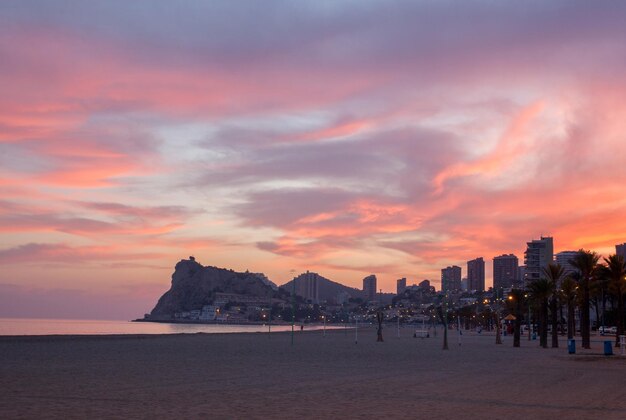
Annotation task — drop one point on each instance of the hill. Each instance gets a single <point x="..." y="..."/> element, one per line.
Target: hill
<point x="328" y="290"/>
<point x="194" y="285"/>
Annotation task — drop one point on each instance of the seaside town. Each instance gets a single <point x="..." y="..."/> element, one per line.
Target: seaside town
<point x="567" y="285"/>
<point x="336" y="209"/>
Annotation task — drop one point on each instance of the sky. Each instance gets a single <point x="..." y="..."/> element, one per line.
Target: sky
<point x="342" y="137"/>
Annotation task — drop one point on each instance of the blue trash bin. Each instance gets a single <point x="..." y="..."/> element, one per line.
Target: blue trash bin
<point x="608" y="348"/>
<point x="571" y="346"/>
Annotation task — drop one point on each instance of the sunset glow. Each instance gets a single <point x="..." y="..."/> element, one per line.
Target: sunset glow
<point x="342" y="137"/>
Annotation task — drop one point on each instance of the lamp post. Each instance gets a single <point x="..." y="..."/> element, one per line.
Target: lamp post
<point x="526" y="295"/>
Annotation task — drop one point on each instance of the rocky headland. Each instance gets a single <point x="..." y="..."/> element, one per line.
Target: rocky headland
<point x="194" y="286"/>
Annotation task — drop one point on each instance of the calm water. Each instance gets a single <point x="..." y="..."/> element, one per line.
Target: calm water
<point x="15" y="326"/>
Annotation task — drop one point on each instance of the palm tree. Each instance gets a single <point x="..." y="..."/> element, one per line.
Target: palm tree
<point x="569" y="288"/>
<point x="540" y="291"/>
<point x="586" y="262"/>
<point x="598" y="296"/>
<point x="614" y="272"/>
<point x="554" y="274"/>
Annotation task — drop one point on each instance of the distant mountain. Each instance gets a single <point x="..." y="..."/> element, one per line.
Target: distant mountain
<point x="194" y="285"/>
<point x="328" y="290"/>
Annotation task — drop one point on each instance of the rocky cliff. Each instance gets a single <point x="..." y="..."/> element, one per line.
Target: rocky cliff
<point x="194" y="285"/>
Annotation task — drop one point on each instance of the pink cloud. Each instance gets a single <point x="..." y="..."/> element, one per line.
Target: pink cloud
<point x="509" y="148"/>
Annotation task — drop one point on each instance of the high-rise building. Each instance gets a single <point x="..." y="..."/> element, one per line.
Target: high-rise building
<point x="401" y="285"/>
<point x="307" y="286"/>
<point x="505" y="272"/>
<point x="451" y="278"/>
<point x="522" y="275"/>
<point x="476" y="275"/>
<point x="369" y="287"/>
<point x="563" y="258"/>
<point x="621" y="250"/>
<point x="539" y="253"/>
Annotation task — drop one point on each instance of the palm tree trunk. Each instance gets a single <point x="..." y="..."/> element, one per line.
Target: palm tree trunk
<point x="603" y="307"/>
<point x="597" y="308"/>
<point x="620" y="316"/>
<point x="571" y="320"/>
<point x="585" y="331"/>
<point x="554" y="319"/>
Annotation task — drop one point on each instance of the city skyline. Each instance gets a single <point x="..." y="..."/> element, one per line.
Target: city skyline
<point x="347" y="138"/>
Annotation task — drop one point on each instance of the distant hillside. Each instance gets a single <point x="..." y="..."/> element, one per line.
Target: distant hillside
<point x="194" y="285"/>
<point x="328" y="290"/>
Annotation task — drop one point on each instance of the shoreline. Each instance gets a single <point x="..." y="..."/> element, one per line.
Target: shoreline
<point x="125" y="328"/>
<point x="198" y="322"/>
<point x="155" y="335"/>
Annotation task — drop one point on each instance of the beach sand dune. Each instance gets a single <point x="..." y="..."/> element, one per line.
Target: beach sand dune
<point x="257" y="376"/>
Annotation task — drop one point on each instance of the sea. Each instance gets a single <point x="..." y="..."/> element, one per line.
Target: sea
<point x="26" y="326"/>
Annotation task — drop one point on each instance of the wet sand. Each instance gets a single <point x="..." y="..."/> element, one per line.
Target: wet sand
<point x="256" y="376"/>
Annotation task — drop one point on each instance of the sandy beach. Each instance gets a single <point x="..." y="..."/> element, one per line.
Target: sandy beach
<point x="256" y="376"/>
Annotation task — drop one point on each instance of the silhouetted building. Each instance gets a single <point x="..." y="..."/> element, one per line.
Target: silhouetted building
<point x="539" y="253"/>
<point x="476" y="275"/>
<point x="369" y="287"/>
<point x="621" y="250"/>
<point x="505" y="272"/>
<point x="424" y="284"/>
<point x="401" y="285"/>
<point x="451" y="278"/>
<point x="307" y="286"/>
<point x="564" y="258"/>
<point x="522" y="275"/>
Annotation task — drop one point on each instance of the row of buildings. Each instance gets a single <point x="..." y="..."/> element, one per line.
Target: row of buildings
<point x="507" y="273"/>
